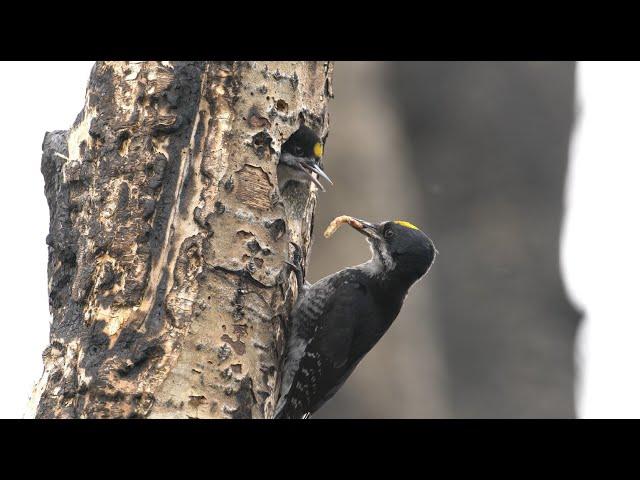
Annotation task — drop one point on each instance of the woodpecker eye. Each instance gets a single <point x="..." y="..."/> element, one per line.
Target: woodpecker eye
<point x="388" y="234"/>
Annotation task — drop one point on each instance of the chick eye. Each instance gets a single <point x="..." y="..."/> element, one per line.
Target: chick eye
<point x="298" y="150"/>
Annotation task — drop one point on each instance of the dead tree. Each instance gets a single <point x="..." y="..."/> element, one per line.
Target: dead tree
<point x="168" y="235"/>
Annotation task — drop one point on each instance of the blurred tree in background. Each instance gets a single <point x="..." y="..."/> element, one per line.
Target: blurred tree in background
<point x="475" y="153"/>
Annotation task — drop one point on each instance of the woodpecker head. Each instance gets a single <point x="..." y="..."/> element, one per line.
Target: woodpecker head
<point x="302" y="154"/>
<point x="399" y="247"/>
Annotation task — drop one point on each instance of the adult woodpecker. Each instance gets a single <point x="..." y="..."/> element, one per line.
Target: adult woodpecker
<point x="300" y="157"/>
<point x="338" y="320"/>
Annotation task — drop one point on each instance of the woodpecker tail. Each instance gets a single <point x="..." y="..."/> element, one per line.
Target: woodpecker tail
<point x="290" y="408"/>
<point x="285" y="412"/>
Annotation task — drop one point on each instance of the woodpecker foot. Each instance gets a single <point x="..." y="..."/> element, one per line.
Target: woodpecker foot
<point x="296" y="266"/>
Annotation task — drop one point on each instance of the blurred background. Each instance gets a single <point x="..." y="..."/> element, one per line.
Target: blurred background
<point x="475" y="154"/>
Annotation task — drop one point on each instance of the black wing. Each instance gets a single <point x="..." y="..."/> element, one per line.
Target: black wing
<point x="319" y="356"/>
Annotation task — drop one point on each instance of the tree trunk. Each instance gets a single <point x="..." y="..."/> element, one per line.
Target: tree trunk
<point x="168" y="236"/>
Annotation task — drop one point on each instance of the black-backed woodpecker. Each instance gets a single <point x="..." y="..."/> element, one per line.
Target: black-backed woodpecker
<point x="300" y="157"/>
<point x="336" y="321"/>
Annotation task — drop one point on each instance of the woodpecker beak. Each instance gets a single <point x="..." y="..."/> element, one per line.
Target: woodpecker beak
<point x="310" y="166"/>
<point x="368" y="229"/>
<point x="316" y="168"/>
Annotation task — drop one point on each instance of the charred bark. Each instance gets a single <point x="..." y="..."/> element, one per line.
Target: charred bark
<point x="168" y="235"/>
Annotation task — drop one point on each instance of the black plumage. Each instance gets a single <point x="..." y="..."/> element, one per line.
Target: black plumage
<point x="337" y="320"/>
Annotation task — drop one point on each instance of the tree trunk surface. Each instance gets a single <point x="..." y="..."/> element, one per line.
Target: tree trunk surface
<point x="168" y="235"/>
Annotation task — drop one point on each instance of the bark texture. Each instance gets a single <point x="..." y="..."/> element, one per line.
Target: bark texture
<point x="168" y="236"/>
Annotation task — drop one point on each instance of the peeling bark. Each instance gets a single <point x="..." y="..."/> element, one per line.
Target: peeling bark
<point x="168" y="235"/>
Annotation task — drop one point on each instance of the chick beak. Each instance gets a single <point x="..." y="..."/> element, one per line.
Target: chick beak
<point x="305" y="168"/>
<point x="368" y="229"/>
<point x="309" y="166"/>
<point x="316" y="168"/>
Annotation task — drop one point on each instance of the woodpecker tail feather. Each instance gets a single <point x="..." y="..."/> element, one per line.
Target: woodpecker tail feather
<point x="285" y="411"/>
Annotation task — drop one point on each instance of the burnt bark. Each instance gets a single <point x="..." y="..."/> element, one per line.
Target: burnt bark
<point x="168" y="235"/>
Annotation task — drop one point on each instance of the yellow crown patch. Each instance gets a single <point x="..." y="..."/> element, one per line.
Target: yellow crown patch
<point x="317" y="150"/>
<point x="406" y="224"/>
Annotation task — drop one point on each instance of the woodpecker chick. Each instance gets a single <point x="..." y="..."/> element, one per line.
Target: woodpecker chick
<point x="300" y="158"/>
<point x="338" y="320"/>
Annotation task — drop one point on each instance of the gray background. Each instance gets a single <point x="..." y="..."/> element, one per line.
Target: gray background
<point x="475" y="154"/>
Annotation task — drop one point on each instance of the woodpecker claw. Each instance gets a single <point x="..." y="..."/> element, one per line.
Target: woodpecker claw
<point x="296" y="267"/>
